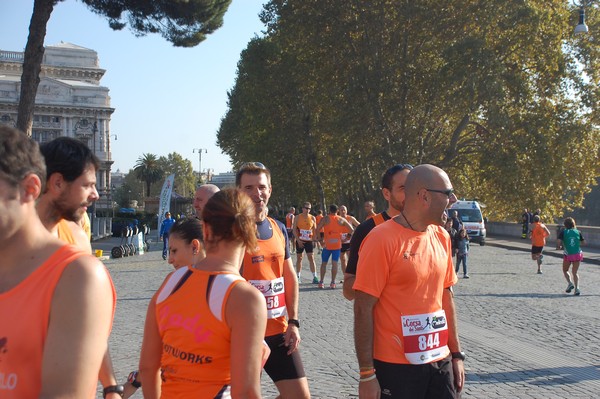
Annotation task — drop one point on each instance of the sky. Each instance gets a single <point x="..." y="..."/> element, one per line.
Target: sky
<point x="166" y="99"/>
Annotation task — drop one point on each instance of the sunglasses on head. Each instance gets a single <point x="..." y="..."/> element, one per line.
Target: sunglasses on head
<point x="253" y="165"/>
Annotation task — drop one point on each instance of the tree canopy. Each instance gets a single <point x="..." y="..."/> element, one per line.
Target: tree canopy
<point x="183" y="23"/>
<point x="499" y="94"/>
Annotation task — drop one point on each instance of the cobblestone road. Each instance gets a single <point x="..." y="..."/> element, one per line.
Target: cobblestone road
<point x="524" y="337"/>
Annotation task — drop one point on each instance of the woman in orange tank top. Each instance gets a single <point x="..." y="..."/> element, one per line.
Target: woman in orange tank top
<point x="208" y="344"/>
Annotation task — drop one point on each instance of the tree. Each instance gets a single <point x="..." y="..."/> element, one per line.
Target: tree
<point x="499" y="94"/>
<point x="148" y="170"/>
<point x="183" y="23"/>
<point x="185" y="180"/>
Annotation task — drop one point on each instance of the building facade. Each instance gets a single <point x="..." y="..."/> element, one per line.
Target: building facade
<point x="70" y="102"/>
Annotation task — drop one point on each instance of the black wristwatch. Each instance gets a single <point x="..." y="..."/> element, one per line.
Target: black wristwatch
<point x="459" y="355"/>
<point x="118" y="389"/>
<point x="294" y="322"/>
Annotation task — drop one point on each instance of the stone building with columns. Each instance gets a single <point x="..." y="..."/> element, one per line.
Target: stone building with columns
<point x="70" y="102"/>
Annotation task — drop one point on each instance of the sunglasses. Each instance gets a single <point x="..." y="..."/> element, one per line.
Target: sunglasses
<point x="448" y="192"/>
<point x="253" y="165"/>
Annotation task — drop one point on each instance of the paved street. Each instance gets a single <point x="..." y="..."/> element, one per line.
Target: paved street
<point x="524" y="337"/>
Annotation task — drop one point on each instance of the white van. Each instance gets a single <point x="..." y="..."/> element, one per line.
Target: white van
<point x="469" y="213"/>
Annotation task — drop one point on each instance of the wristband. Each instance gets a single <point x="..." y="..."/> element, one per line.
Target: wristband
<point x="118" y="389"/>
<point x="368" y="378"/>
<point x="295" y="322"/>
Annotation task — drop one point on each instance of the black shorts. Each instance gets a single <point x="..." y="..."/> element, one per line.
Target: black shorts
<point x="280" y="365"/>
<point x="536" y="250"/>
<point x="431" y="381"/>
<point x="345" y="247"/>
<point x="290" y="233"/>
<point x="308" y="247"/>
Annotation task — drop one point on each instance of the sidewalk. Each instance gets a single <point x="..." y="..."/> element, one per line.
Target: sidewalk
<point x="590" y="255"/>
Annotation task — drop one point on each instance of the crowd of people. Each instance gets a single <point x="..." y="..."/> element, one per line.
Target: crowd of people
<point x="229" y="308"/>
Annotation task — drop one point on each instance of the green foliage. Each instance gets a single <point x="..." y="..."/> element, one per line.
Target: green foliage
<point x="183" y="23"/>
<point x="148" y="169"/>
<point x="185" y="180"/>
<point x="499" y="94"/>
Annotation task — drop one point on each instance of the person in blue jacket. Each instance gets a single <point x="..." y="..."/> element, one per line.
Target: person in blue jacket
<point x="165" y="227"/>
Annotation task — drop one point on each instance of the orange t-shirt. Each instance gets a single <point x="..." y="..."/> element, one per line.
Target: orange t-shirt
<point x="408" y="272"/>
<point x="264" y="270"/>
<point x="65" y="233"/>
<point x="538" y="235"/>
<point x="196" y="340"/>
<point x="25" y="315"/>
<point x="333" y="233"/>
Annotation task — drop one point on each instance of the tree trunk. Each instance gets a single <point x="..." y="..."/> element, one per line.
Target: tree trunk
<point x="32" y="62"/>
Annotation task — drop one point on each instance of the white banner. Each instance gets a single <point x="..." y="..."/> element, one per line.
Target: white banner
<point x="164" y="204"/>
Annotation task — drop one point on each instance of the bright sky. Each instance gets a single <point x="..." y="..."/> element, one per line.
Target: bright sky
<point x="166" y="99"/>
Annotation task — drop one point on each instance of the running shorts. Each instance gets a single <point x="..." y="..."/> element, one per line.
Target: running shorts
<point x="280" y="365"/>
<point x="536" y="250"/>
<point x="574" y="258"/>
<point x="345" y="247"/>
<point x="308" y="247"/>
<point x="432" y="380"/>
<point x="334" y="253"/>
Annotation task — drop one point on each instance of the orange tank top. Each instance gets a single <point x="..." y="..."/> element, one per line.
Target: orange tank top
<point x="22" y="340"/>
<point x="264" y="270"/>
<point x="305" y="226"/>
<point x="289" y="221"/>
<point x="378" y="219"/>
<point x="318" y="218"/>
<point x="333" y="233"/>
<point x="65" y="233"/>
<point x="196" y="340"/>
<point x="538" y="235"/>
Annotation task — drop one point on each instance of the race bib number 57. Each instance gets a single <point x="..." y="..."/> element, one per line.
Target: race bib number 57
<point x="425" y="337"/>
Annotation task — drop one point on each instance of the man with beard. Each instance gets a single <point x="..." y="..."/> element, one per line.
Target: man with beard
<point x="392" y="189"/>
<point x="70" y="189"/>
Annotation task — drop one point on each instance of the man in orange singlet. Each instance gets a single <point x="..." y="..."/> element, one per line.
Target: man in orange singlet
<point x="392" y="189"/>
<point x="270" y="269"/>
<point x="70" y="190"/>
<point x="56" y="301"/>
<point x="369" y="209"/>
<point x="405" y="329"/>
<point x="333" y="227"/>
<point x="320" y="234"/>
<point x="538" y="235"/>
<point x="289" y="223"/>
<point x="346" y="237"/>
<point x="305" y="233"/>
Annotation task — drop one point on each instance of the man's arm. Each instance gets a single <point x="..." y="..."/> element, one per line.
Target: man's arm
<point x="149" y="367"/>
<point x="350" y="275"/>
<point x="453" y="341"/>
<point x="80" y="320"/>
<point x="295" y="230"/>
<point x="363" y="342"/>
<point x="291" y="302"/>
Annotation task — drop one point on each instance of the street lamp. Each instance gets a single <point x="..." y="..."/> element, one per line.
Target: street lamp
<point x="199" y="151"/>
<point x="581" y="26"/>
